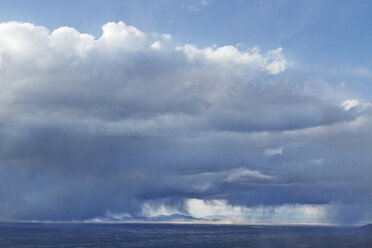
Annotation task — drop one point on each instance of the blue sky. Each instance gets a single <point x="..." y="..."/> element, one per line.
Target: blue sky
<point x="227" y="111"/>
<point x="327" y="33"/>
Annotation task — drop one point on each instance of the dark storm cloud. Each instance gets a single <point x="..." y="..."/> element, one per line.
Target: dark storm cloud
<point x="131" y="124"/>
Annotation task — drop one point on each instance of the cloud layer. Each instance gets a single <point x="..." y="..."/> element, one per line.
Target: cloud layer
<point x="130" y="121"/>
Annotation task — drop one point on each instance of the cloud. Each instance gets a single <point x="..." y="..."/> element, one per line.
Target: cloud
<point x="244" y="175"/>
<point x="349" y="104"/>
<point x="133" y="123"/>
<point x="221" y="211"/>
<point x="274" y="151"/>
<point x="227" y="56"/>
<point x="149" y="210"/>
<point x="198" y="5"/>
<point x="204" y="2"/>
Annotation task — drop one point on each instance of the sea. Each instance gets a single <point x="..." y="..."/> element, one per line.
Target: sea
<point x="181" y="235"/>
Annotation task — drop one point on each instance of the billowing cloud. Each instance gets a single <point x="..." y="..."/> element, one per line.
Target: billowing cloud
<point x="133" y="125"/>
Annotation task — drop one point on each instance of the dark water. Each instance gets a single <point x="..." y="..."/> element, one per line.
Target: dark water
<point x="169" y="235"/>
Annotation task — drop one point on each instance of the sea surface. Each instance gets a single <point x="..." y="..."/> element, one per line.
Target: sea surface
<point x="177" y="235"/>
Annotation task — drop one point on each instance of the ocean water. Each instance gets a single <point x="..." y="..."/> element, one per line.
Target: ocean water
<point x="176" y="235"/>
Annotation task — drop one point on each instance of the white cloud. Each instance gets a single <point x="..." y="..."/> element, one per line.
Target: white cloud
<point x="349" y="104"/>
<point x="273" y="62"/>
<point x="115" y="216"/>
<point x="120" y="35"/>
<point x="274" y="151"/>
<point x="276" y="62"/>
<point x="243" y="175"/>
<point x="156" y="45"/>
<point x="198" y="6"/>
<point x="151" y="210"/>
<point x="71" y="42"/>
<point x="124" y="73"/>
<point x="220" y="211"/>
<point x="225" y="212"/>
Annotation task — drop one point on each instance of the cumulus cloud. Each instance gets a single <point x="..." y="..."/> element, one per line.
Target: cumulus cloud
<point x="94" y="126"/>
<point x="227" y="56"/>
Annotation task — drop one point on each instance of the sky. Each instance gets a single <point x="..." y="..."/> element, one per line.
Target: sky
<point x="201" y="111"/>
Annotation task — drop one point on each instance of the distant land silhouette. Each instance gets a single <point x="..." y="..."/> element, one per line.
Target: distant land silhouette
<point x="367" y="226"/>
